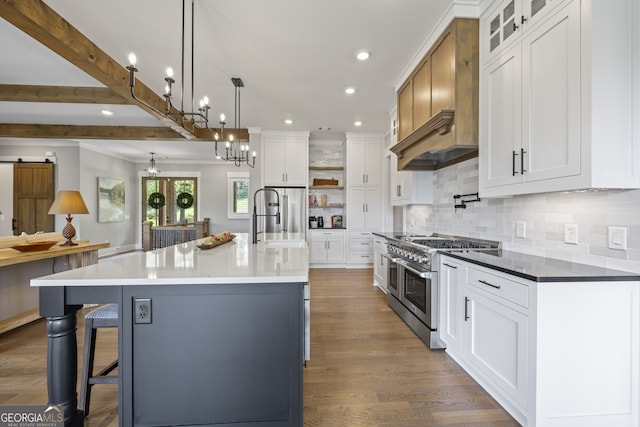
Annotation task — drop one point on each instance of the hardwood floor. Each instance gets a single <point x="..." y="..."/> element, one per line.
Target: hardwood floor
<point x="367" y="367"/>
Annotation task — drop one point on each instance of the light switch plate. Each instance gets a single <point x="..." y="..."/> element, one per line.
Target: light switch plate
<point x="521" y="229"/>
<point x="617" y="238"/>
<point x="571" y="234"/>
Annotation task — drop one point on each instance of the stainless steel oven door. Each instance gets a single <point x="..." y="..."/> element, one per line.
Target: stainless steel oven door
<point x="393" y="282"/>
<point x="418" y="292"/>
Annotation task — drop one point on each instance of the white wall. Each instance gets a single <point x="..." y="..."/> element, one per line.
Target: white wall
<point x="544" y="214"/>
<point x="79" y="168"/>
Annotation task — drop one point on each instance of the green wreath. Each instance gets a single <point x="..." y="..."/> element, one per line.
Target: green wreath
<point x="156" y="200"/>
<point x="184" y="200"/>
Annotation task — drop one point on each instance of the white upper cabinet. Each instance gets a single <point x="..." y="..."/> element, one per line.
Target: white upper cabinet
<point x="509" y="19"/>
<point x="364" y="161"/>
<point x="407" y="187"/>
<point x="410" y="187"/>
<point x="541" y="128"/>
<point x="285" y="160"/>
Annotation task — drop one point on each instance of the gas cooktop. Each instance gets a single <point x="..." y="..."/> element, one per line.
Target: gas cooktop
<point x="438" y="241"/>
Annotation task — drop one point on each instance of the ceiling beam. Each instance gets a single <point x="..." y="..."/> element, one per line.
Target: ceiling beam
<point x="62" y="94"/>
<point x="239" y="134"/>
<point x="39" y="21"/>
<point x="20" y="130"/>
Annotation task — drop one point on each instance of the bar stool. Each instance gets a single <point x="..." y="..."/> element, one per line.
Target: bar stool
<point x="105" y="316"/>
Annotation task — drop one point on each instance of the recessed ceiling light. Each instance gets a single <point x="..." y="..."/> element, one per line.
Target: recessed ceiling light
<point x="107" y="112"/>
<point x="357" y="123"/>
<point x="288" y="122"/>
<point x="350" y="90"/>
<point x="363" y="55"/>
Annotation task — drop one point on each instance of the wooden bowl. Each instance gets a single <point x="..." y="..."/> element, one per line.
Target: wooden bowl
<point x="34" y="246"/>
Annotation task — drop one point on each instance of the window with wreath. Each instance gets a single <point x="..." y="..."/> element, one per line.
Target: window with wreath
<point x="169" y="200"/>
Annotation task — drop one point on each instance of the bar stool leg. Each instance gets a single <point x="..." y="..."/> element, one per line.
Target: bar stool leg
<point x="87" y="365"/>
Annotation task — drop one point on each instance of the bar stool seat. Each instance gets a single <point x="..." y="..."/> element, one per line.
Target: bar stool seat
<point x="105" y="316"/>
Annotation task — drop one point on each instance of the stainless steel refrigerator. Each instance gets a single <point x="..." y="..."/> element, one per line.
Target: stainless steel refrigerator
<point x="292" y="210"/>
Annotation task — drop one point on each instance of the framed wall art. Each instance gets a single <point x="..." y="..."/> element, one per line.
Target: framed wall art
<point x="110" y="199"/>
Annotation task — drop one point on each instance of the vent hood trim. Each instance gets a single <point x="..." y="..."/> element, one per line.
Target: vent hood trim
<point x="413" y="155"/>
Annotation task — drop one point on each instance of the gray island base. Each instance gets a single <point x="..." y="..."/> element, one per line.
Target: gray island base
<point x="219" y="354"/>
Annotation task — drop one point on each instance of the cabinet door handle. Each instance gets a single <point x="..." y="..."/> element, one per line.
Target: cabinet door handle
<point x="515" y="26"/>
<point x="363" y="180"/>
<point x="489" y="284"/>
<point x="522" y="153"/>
<point x="523" y="19"/>
<point x="363" y="208"/>
<point x="466" y="308"/>
<point x="450" y="266"/>
<point x="513" y="163"/>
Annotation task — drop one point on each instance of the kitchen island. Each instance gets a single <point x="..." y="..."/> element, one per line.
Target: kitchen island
<point x="222" y="342"/>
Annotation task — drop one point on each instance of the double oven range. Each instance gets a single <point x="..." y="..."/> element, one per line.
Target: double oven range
<point x="412" y="279"/>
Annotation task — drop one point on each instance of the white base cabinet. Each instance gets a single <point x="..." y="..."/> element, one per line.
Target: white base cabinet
<point x="380" y="263"/>
<point x="327" y="247"/>
<point x="360" y="246"/>
<point x="553" y="354"/>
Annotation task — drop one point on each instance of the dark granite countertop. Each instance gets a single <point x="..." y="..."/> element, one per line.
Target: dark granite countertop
<point x="541" y="269"/>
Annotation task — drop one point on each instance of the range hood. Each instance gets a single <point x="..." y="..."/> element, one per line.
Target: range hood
<point x="435" y="145"/>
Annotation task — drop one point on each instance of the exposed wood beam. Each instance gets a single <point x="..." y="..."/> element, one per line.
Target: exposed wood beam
<point x="239" y="134"/>
<point x="62" y="94"/>
<point x="39" y="21"/>
<point x="20" y="130"/>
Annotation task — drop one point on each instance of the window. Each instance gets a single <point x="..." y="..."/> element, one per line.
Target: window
<point x="169" y="200"/>
<point x="237" y="195"/>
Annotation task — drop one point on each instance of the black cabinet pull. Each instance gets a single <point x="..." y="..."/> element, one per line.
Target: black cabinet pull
<point x="489" y="284"/>
<point x="523" y="19"/>
<point x="522" y="153"/>
<point x="515" y="27"/>
<point x="466" y="308"/>
<point x="450" y="266"/>
<point x="513" y="163"/>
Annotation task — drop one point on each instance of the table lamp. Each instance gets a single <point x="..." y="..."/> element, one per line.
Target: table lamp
<point x="68" y="202"/>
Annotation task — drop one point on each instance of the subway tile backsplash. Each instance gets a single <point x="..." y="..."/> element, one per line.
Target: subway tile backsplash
<point x="544" y="215"/>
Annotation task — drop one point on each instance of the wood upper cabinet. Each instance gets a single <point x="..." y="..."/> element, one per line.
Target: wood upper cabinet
<point x="422" y="94"/>
<point x="438" y="103"/>
<point x="443" y="75"/>
<point x="405" y="110"/>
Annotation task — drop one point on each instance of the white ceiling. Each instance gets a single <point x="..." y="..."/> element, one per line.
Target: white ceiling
<point x="295" y="57"/>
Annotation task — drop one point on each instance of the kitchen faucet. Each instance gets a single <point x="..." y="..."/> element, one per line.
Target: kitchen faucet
<point x="256" y="215"/>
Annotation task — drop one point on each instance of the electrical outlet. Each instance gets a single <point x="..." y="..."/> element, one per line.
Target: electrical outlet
<point x="521" y="229"/>
<point x="571" y="234"/>
<point x="617" y="238"/>
<point x="142" y="310"/>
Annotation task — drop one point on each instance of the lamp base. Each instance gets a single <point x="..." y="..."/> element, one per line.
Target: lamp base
<point x="69" y="232"/>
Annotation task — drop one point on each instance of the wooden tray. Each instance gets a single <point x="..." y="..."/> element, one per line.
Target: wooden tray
<point x="34" y="246"/>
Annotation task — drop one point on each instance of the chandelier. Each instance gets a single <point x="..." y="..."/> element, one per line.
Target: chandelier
<point x="152" y="171"/>
<point x="235" y="151"/>
<point x="199" y="116"/>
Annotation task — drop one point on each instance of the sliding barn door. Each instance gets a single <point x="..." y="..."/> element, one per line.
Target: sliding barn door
<point x="33" y="194"/>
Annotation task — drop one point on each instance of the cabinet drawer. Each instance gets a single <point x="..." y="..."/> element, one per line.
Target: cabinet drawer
<point x="323" y="234"/>
<point x="360" y="245"/>
<point x="516" y="292"/>
<point x="360" y="257"/>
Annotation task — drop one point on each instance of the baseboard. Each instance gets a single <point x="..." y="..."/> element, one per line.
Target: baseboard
<point x="19" y="320"/>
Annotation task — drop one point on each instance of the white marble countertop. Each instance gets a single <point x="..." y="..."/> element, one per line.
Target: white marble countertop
<point x="278" y="259"/>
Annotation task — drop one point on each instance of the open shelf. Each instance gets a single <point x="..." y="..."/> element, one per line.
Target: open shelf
<point x="333" y="205"/>
<point x="326" y="187"/>
<point x="326" y="168"/>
